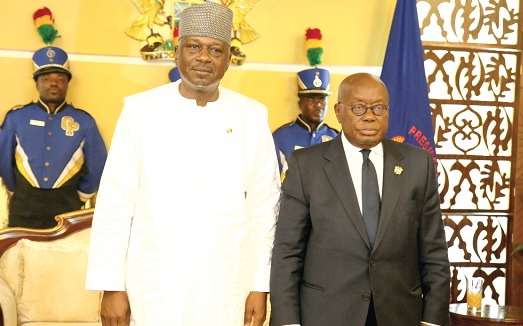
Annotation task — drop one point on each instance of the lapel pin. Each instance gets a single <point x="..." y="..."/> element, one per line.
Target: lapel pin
<point x="398" y="170"/>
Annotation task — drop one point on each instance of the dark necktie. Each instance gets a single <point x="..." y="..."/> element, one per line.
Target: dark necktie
<point x="370" y="196"/>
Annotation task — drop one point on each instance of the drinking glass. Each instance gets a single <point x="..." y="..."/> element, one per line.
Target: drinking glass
<point x="474" y="293"/>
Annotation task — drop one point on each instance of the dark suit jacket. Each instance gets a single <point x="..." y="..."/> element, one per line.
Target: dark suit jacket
<point x="323" y="269"/>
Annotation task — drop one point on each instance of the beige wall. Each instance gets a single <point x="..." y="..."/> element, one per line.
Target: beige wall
<point x="106" y="66"/>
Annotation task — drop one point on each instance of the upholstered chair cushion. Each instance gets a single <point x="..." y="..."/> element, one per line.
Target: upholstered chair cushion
<point x="51" y="283"/>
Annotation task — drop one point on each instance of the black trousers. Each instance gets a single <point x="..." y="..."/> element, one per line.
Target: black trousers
<point x="36" y="208"/>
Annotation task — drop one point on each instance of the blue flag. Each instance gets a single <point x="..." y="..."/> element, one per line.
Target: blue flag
<point x="403" y="73"/>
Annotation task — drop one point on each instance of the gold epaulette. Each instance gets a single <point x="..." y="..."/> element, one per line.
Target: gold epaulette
<point x="16" y="107"/>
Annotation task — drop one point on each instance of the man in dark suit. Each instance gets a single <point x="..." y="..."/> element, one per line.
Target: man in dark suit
<point x="330" y="266"/>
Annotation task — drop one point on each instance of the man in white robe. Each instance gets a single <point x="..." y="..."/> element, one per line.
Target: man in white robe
<point x="184" y="220"/>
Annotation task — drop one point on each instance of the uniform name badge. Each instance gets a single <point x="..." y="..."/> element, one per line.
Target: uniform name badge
<point x="37" y="123"/>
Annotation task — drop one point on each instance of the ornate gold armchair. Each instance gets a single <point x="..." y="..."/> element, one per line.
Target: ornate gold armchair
<point x="42" y="274"/>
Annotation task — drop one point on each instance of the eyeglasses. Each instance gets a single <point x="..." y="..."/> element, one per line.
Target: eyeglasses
<point x="360" y="109"/>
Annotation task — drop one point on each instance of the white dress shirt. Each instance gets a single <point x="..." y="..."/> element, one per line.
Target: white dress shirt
<point x="355" y="161"/>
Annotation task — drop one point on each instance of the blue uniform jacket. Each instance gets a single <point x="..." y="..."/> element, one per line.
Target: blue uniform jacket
<point x="296" y="135"/>
<point x="48" y="149"/>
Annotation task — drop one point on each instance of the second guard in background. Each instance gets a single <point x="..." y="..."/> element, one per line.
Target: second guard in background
<point x="313" y="92"/>
<point x="308" y="128"/>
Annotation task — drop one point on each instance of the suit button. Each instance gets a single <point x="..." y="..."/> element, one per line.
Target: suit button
<point x="372" y="263"/>
<point x="366" y="297"/>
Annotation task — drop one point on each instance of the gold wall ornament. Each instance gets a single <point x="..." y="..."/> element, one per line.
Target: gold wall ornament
<point x="156" y="27"/>
<point x="153" y="28"/>
<point x="151" y="13"/>
<point x="242" y="32"/>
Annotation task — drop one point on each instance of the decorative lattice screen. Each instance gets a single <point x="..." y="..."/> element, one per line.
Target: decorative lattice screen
<point x="472" y="60"/>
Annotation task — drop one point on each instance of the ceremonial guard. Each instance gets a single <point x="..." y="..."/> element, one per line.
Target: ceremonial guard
<point x="313" y="91"/>
<point x="52" y="153"/>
